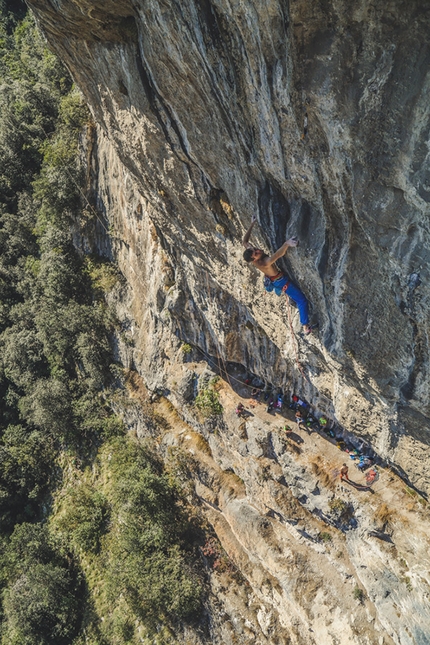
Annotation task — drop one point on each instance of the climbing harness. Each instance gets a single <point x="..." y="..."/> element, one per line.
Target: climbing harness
<point x="270" y="284"/>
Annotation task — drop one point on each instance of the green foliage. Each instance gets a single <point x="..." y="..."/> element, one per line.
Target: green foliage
<point x="186" y="348"/>
<point x="41" y="601"/>
<point x="410" y="491"/>
<point x="359" y="594"/>
<point x="338" y="506"/>
<point x="207" y="402"/>
<point x="40" y="607"/>
<point x="54" y="338"/>
<point x="84" y="519"/>
<point x="32" y="83"/>
<point x="74" y="113"/>
<point x="28" y="544"/>
<point x="25" y="466"/>
<point x="48" y="406"/>
<point x="129" y="525"/>
<point x="104" y="275"/>
<point x="407" y="581"/>
<point x="151" y="535"/>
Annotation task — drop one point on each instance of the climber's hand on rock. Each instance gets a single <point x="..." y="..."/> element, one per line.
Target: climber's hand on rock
<point x="293" y="241"/>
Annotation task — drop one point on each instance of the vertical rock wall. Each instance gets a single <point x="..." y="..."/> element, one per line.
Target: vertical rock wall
<point x="313" y="115"/>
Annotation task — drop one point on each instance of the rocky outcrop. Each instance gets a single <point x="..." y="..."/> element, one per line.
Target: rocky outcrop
<point x="316" y="560"/>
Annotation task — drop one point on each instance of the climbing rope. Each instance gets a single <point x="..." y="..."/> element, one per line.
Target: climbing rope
<point x="218" y="353"/>
<point x="293" y="338"/>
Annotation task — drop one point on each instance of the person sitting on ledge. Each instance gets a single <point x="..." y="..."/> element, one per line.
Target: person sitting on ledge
<point x="275" y="280"/>
<point x="299" y="417"/>
<point x="240" y="409"/>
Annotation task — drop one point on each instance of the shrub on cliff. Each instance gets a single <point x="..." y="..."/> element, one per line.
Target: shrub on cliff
<point x="131" y="529"/>
<point x="149" y="558"/>
<point x="84" y="519"/>
<point x="208" y="403"/>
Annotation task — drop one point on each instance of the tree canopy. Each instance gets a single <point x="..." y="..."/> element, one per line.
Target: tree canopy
<point x="65" y="532"/>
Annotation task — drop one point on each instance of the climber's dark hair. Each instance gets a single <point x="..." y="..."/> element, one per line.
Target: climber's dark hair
<point x="247" y="255"/>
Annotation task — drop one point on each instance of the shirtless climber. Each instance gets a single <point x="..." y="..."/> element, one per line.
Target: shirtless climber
<point x="276" y="280"/>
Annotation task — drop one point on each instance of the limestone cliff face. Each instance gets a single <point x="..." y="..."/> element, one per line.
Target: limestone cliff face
<point x="315" y="116"/>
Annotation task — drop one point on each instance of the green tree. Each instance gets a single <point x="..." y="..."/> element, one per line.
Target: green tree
<point x="84" y="519"/>
<point x="41" y="607"/>
<point x="25" y="473"/>
<point x="41" y="603"/>
<point x="150" y="557"/>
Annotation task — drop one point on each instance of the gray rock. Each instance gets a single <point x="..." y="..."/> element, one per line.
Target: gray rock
<point x="186" y="387"/>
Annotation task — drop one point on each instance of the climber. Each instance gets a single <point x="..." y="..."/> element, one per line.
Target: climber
<point x="276" y="280"/>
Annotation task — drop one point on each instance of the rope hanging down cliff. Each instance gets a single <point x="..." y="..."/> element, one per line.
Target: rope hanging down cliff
<point x="293" y="340"/>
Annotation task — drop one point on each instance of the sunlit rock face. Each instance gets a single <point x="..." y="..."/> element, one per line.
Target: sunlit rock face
<point x="313" y="115"/>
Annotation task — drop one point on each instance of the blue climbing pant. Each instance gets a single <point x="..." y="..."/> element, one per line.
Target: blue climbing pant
<point x="295" y="294"/>
<point x="282" y="285"/>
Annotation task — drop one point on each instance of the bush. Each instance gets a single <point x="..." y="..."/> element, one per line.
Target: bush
<point x="130" y="527"/>
<point x="84" y="519"/>
<point x="41" y="607"/>
<point x="151" y="538"/>
<point x="41" y="603"/>
<point x="104" y="275"/>
<point x="338" y="506"/>
<point x="48" y="406"/>
<point x="359" y="594"/>
<point x="26" y="460"/>
<point x="208" y="404"/>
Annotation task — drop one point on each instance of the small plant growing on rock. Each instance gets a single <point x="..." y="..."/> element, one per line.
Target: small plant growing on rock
<point x="342" y="511"/>
<point x="407" y="581"/>
<point x="186" y="349"/>
<point x="359" y="594"/>
<point x="384" y="514"/>
<point x="217" y="557"/>
<point x="410" y="491"/>
<point x="324" y="536"/>
<point x="338" y="506"/>
<point x="208" y="404"/>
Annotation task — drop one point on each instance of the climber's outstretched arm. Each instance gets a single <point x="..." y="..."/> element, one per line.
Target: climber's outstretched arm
<point x="293" y="241"/>
<point x="247" y="235"/>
